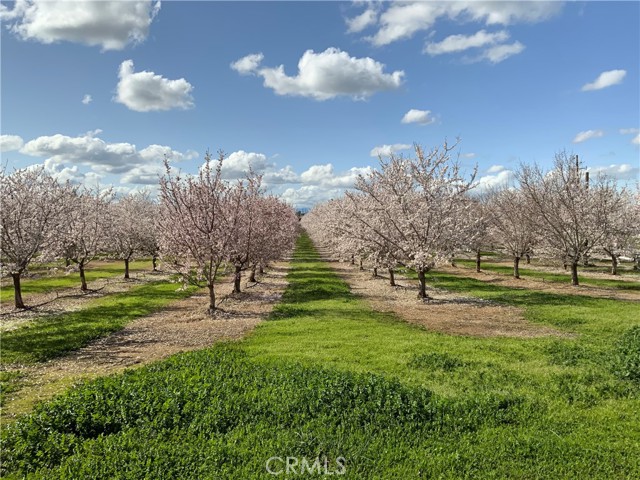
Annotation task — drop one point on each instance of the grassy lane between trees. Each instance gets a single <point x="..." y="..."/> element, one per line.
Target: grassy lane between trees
<point x="564" y="278"/>
<point x="50" y="337"/>
<point x="327" y="378"/>
<point x="61" y="280"/>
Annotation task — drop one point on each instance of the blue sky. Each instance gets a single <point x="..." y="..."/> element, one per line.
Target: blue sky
<point x="306" y="92"/>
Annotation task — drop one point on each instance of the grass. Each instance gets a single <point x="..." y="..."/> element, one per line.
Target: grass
<point x="49" y="337"/>
<point x="555" y="277"/>
<point x="326" y="377"/>
<point x="61" y="280"/>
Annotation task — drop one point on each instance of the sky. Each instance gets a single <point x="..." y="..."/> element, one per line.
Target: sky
<point x="311" y="93"/>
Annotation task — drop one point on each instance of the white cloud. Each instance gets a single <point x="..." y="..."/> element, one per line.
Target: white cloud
<point x="324" y="176"/>
<point x="61" y="151"/>
<point x="605" y="79"/>
<point x="87" y="99"/>
<point x="458" y="43"/>
<point x="10" y="143"/>
<point x="327" y="75"/>
<point x="403" y="19"/>
<point x="365" y="19"/>
<point x="309" y="195"/>
<point x="587" y="135"/>
<point x="496" y="169"/>
<point x="623" y="171"/>
<point x="498" y="53"/>
<point x="145" y="91"/>
<point x="111" y="25"/>
<point x="422" y="117"/>
<point x="468" y="155"/>
<point x="501" y="178"/>
<point x="248" y="64"/>
<point x="387" y="150"/>
<point x="237" y="164"/>
<point x="632" y="131"/>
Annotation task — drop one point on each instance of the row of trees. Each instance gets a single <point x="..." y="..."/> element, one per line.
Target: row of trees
<point x="199" y="227"/>
<point x="420" y="212"/>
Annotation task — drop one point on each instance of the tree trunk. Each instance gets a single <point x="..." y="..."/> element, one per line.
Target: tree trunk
<point x="478" y="260"/>
<point x="353" y="260"/>
<point x="67" y="262"/>
<point x="83" y="279"/>
<point x="453" y="261"/>
<point x="212" y="299"/>
<point x="260" y="269"/>
<point x="574" y="274"/>
<point x="614" y="265"/>
<point x="252" y="275"/>
<point x="392" y="278"/>
<point x="154" y="261"/>
<point x="516" y="267"/>
<point x="375" y="271"/>
<point x="586" y="261"/>
<point x="17" y="290"/>
<point x="126" y="268"/>
<point x="237" y="277"/>
<point x="361" y="267"/>
<point x="528" y="258"/>
<point x="423" y="284"/>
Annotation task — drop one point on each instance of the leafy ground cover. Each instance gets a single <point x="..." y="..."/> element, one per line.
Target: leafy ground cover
<point x="557" y="277"/>
<point x="49" y="337"/>
<point x="46" y="282"/>
<point x="327" y="377"/>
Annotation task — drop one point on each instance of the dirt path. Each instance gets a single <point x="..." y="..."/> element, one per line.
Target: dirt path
<point x="182" y="326"/>
<point x="446" y="312"/>
<point x="503" y="280"/>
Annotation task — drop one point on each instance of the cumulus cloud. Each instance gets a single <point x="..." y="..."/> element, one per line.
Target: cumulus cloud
<point x="605" y="79"/>
<point x="145" y="91"/>
<point x="622" y="171"/>
<point x="498" y="177"/>
<point x="248" y="64"/>
<point x="111" y="25"/>
<point x="9" y="143"/>
<point x="387" y="150"/>
<point x="309" y="195"/>
<point x="325" y="75"/>
<point x="587" y="135"/>
<point x="87" y="99"/>
<point x="324" y="176"/>
<point x="468" y="155"/>
<point x="458" y="43"/>
<point x="422" y="117"/>
<point x="102" y="158"/>
<point x="402" y="20"/>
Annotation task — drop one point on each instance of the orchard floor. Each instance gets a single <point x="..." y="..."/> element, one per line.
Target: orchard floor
<point x="445" y="312"/>
<point x="182" y="326"/>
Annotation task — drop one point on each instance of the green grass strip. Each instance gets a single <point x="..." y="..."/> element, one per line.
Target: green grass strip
<point x="52" y="336"/>
<point x="555" y="277"/>
<point x="61" y="280"/>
